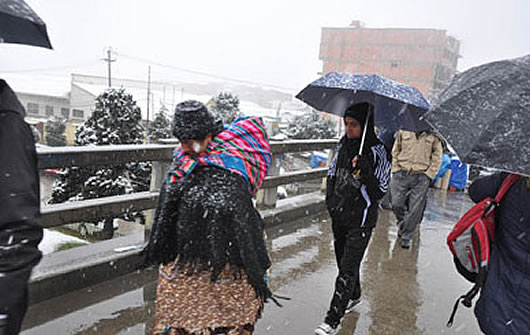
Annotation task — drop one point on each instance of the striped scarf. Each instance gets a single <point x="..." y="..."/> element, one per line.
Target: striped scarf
<point x="242" y="148"/>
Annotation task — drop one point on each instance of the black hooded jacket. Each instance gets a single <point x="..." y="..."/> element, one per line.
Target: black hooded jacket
<point x="208" y="221"/>
<point x="20" y="229"/>
<point x="351" y="200"/>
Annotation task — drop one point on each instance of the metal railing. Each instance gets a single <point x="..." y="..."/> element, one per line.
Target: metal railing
<point x="160" y="155"/>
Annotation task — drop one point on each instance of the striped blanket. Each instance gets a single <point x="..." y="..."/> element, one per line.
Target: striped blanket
<point x="243" y="148"/>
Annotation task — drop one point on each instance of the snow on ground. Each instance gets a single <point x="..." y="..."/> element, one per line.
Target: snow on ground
<point x="53" y="239"/>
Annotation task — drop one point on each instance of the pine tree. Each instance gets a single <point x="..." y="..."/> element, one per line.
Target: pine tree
<point x="226" y="107"/>
<point x="311" y="126"/>
<point x="160" y="127"/>
<point x="115" y="120"/>
<point x="55" y="133"/>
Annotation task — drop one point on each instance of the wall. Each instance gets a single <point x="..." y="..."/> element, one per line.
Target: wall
<point x="81" y="100"/>
<point x="57" y="103"/>
<point x="424" y="58"/>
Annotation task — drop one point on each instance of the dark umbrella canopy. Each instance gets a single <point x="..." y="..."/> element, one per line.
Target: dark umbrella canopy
<point x="396" y="105"/>
<point x="20" y="24"/>
<point x="484" y="115"/>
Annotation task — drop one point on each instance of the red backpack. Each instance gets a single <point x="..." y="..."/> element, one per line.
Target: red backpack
<point x="470" y="241"/>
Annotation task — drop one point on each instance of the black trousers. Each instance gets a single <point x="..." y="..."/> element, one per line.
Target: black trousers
<point x="14" y="298"/>
<point x="350" y="243"/>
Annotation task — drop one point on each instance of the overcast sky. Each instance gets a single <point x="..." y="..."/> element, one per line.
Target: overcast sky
<point x="273" y="42"/>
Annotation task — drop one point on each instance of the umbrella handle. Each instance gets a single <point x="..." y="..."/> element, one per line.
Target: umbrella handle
<point x="364" y="131"/>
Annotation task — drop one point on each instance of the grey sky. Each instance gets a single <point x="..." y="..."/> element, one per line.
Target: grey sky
<point x="273" y="41"/>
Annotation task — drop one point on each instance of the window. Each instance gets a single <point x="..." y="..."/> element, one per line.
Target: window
<point x="77" y="113"/>
<point x="33" y="108"/>
<point x="65" y="112"/>
<point x="49" y="110"/>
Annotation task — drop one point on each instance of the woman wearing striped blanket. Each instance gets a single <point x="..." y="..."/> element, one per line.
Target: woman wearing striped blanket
<point x="207" y="236"/>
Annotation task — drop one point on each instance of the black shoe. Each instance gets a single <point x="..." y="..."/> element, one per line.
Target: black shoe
<point x="405" y="244"/>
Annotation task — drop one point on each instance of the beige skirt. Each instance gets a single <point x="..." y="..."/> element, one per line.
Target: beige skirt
<point x="195" y="305"/>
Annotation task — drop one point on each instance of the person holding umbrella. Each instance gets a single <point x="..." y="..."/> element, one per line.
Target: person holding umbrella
<point x="358" y="177"/>
<point x="20" y="229"/>
<point x="484" y="115"/>
<point x="504" y="303"/>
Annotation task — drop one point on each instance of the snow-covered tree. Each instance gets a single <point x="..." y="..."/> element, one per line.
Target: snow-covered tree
<point x="55" y="133"/>
<point x="161" y="125"/>
<point x="226" y="107"/>
<point x="311" y="126"/>
<point x="115" y="120"/>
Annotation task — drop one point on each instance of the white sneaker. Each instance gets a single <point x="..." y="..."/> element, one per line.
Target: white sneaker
<point x="351" y="305"/>
<point x="325" y="329"/>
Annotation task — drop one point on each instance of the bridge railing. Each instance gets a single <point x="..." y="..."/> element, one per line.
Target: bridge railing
<point x="161" y="155"/>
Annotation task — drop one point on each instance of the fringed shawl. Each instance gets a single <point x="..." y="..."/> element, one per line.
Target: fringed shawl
<point x="208" y="222"/>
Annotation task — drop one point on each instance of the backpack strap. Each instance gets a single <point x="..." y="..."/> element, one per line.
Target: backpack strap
<point x="467" y="299"/>
<point x="506" y="184"/>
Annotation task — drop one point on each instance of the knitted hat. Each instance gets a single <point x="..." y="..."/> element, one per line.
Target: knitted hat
<point x="193" y="121"/>
<point x="359" y="112"/>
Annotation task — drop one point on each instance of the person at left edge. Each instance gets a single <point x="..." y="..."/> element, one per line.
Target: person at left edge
<point x="20" y="219"/>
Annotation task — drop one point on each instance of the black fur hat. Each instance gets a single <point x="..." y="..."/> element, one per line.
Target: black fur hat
<point x="193" y="121"/>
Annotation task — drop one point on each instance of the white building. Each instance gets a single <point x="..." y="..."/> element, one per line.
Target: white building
<point x="73" y="98"/>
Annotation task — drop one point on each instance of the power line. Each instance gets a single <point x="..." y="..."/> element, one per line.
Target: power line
<point x="51" y="68"/>
<point x="206" y="74"/>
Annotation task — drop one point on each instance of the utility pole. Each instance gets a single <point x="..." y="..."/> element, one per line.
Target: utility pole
<point x="109" y="60"/>
<point x="148" y="98"/>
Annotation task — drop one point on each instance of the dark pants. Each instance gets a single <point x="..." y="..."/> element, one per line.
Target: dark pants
<point x="409" y="198"/>
<point x="350" y="244"/>
<point x="14" y="298"/>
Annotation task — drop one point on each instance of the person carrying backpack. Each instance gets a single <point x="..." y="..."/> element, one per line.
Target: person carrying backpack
<point x="504" y="303"/>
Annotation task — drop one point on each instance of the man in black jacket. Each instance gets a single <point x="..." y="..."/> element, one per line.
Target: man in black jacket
<point x="20" y="229"/>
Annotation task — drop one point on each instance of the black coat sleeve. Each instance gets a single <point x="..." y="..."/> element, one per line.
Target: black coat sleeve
<point x="20" y="219"/>
<point x="331" y="198"/>
<point x="159" y="249"/>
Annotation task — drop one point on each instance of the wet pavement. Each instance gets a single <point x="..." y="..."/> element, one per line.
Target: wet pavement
<point x="404" y="291"/>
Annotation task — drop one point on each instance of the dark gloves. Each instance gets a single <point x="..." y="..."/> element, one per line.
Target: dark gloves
<point x="367" y="177"/>
<point x="364" y="166"/>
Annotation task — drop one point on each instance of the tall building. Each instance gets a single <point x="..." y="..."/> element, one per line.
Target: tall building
<point x="423" y="58"/>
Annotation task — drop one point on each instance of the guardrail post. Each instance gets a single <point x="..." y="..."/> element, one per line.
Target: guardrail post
<point x="330" y="157"/>
<point x="158" y="174"/>
<point x="266" y="198"/>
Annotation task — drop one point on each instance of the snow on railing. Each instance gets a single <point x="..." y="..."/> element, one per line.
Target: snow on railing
<point x="160" y="155"/>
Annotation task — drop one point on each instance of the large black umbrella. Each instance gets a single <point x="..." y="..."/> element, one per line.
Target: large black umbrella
<point x="396" y="105"/>
<point x="484" y="115"/>
<point x="20" y="24"/>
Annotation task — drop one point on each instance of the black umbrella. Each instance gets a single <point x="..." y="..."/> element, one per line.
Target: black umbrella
<point x="484" y="115"/>
<point x="396" y="105"/>
<point x="20" y="24"/>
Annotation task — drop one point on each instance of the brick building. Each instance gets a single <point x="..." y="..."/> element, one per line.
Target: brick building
<point x="423" y="58"/>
